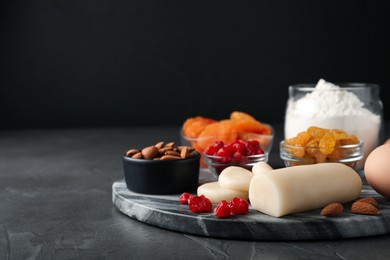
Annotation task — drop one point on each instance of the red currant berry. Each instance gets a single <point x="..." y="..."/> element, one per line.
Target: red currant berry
<point x="224" y="152"/>
<point x="222" y="210"/>
<point x="185" y="197"/>
<point x="210" y="150"/>
<point x="239" y="206"/>
<point x="253" y="147"/>
<point x="200" y="204"/>
<point x="238" y="146"/>
<point x="237" y="156"/>
<point x="218" y="145"/>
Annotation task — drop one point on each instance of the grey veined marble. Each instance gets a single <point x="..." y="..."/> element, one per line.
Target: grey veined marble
<point x="167" y="212"/>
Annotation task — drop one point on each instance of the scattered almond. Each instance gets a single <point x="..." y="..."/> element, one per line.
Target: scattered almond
<point x="364" y="208"/>
<point x="332" y="210"/>
<point x="369" y="200"/>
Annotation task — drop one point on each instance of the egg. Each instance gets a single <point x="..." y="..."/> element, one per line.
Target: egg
<point x="377" y="170"/>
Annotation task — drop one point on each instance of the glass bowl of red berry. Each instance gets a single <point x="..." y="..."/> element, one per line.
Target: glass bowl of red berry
<point x="201" y="143"/>
<point x="238" y="153"/>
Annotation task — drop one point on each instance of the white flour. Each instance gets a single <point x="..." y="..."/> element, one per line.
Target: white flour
<point x="330" y="106"/>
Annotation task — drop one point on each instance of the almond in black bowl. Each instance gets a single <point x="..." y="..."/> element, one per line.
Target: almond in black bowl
<point x="161" y="169"/>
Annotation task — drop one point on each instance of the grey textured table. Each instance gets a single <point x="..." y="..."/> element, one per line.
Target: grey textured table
<point x="56" y="203"/>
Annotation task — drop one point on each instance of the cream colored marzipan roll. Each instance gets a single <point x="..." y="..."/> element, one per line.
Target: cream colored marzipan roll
<point x="215" y="193"/>
<point x="301" y="188"/>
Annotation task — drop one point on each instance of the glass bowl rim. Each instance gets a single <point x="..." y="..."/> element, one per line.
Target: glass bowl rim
<point x="254" y="159"/>
<point x="308" y="87"/>
<point x="346" y="146"/>
<point x="254" y="156"/>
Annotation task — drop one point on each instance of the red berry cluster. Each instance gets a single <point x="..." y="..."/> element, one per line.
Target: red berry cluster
<point x="197" y="204"/>
<point x="236" y="206"/>
<point x="234" y="152"/>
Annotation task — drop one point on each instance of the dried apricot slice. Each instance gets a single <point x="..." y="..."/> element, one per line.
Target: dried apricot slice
<point x="247" y="123"/>
<point x="237" y="115"/>
<point x="248" y="126"/>
<point x="193" y="126"/>
<point x="223" y="130"/>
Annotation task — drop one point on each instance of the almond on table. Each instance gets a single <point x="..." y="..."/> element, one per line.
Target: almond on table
<point x="364" y="208"/>
<point x="334" y="209"/>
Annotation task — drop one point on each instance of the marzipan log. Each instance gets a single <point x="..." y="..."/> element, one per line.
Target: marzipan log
<point x="301" y="188"/>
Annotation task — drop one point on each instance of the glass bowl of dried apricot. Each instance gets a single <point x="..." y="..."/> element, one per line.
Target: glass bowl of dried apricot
<point x="320" y="145"/>
<point x="202" y="132"/>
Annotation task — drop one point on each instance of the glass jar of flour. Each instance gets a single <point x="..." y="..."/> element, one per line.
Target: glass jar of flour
<point x="354" y="107"/>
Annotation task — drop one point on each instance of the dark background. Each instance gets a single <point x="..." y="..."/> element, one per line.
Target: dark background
<point x="77" y="63"/>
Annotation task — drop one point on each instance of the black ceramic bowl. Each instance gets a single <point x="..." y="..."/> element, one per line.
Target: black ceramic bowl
<point x="162" y="177"/>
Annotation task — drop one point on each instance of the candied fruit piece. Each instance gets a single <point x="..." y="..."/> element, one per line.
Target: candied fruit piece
<point x="352" y="139"/>
<point x="297" y="151"/>
<point x="317" y="132"/>
<point x="327" y="143"/>
<point x="193" y="126"/>
<point x="239" y="206"/>
<point x="290" y="141"/>
<point x="337" y="154"/>
<point x="309" y="160"/>
<point x="320" y="157"/>
<point x="312" y="147"/>
<point x="300" y="140"/>
<point x="185" y="197"/>
<point x="338" y="134"/>
<point x="200" y="204"/>
<point x="222" y="210"/>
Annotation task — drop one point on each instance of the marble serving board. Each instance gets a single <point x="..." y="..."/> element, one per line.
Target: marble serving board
<point x="165" y="211"/>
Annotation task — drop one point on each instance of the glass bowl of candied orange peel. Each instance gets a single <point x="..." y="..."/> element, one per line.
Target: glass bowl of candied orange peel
<point x="201" y="132"/>
<point x="321" y="145"/>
